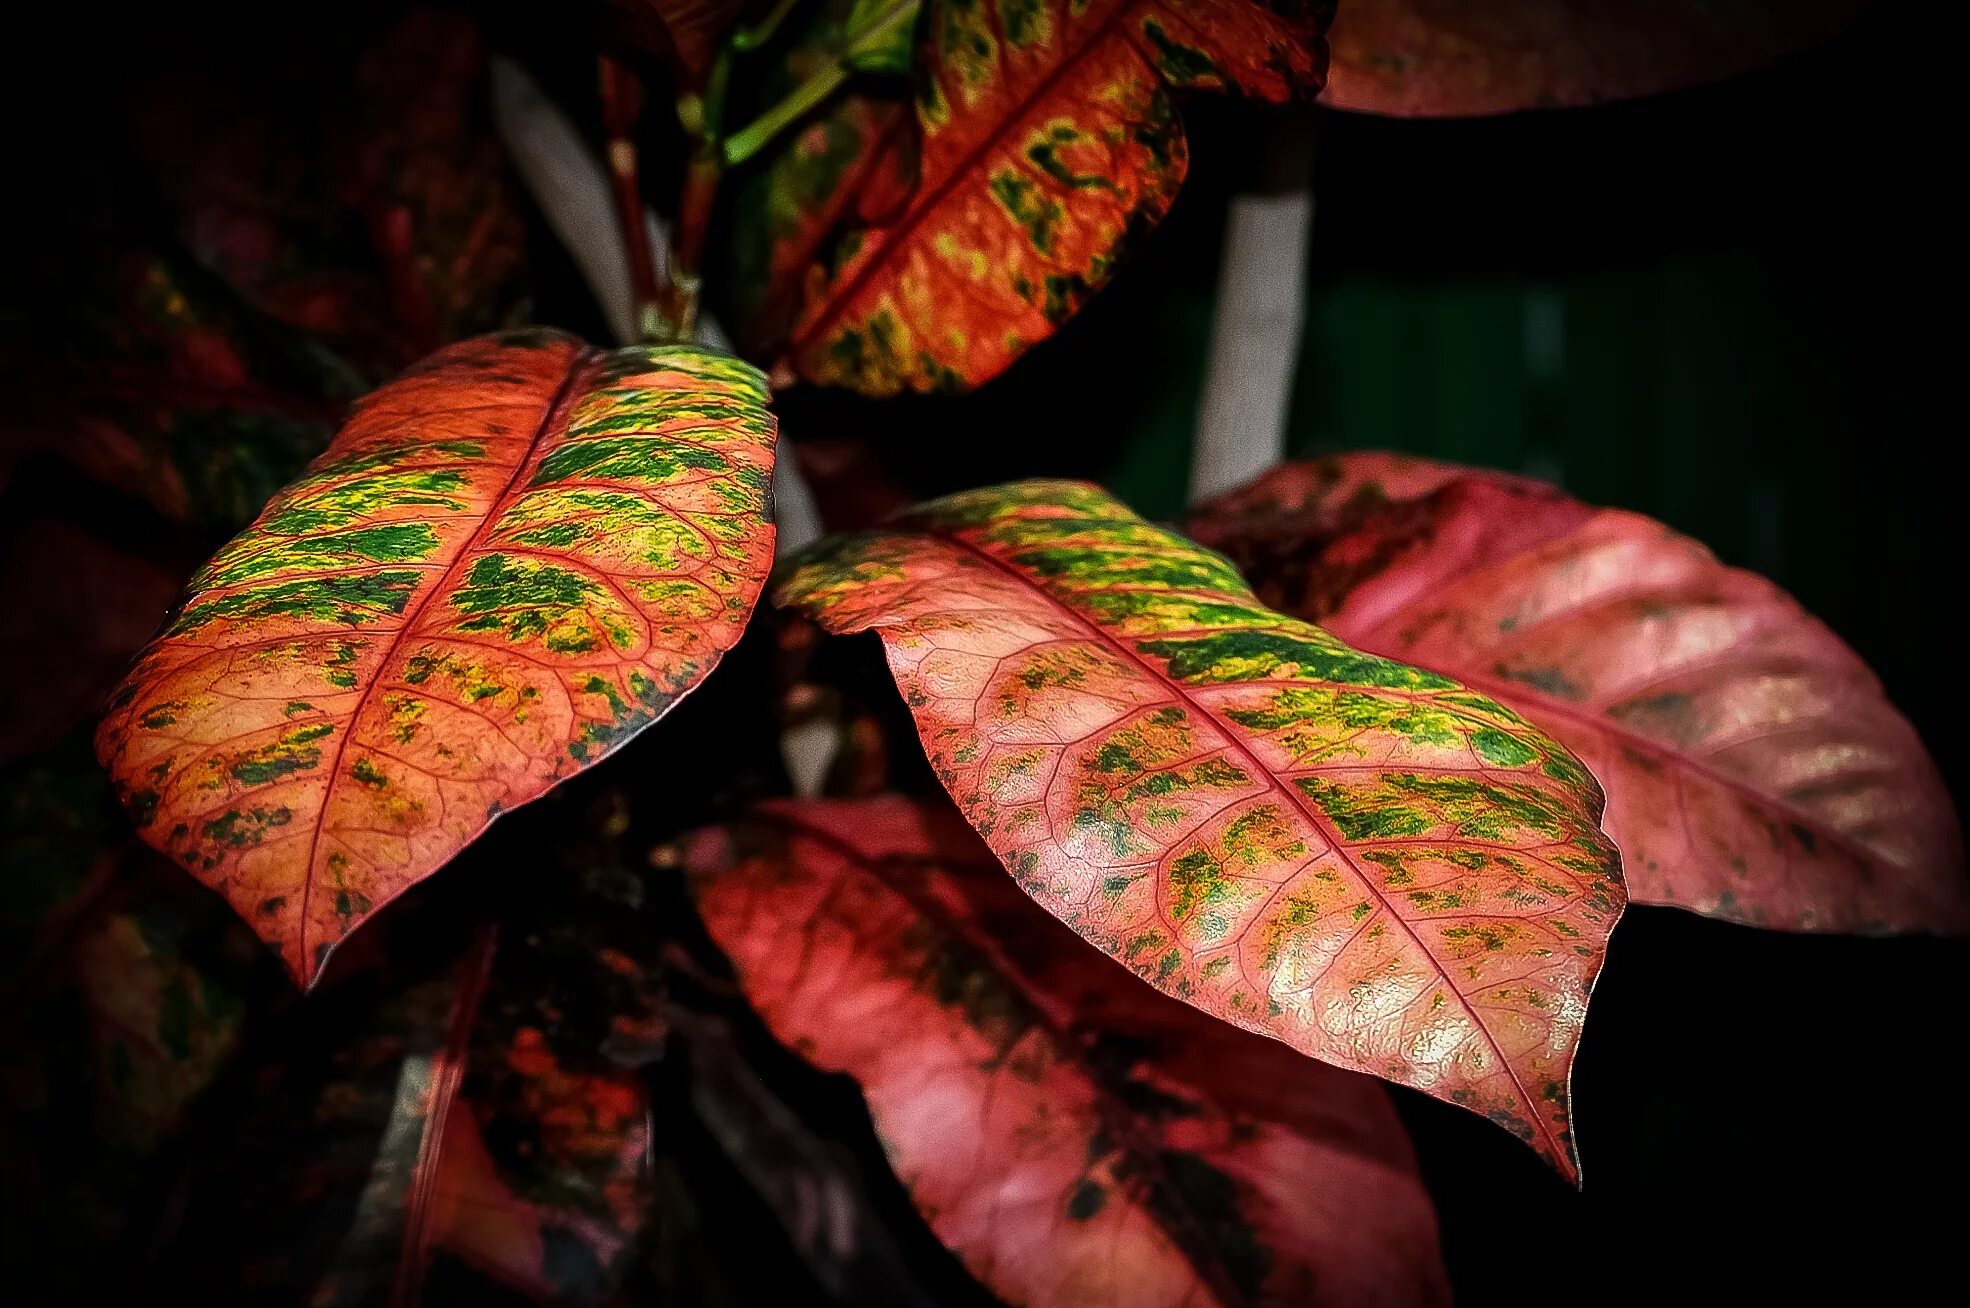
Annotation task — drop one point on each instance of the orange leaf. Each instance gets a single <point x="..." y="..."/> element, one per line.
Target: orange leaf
<point x="509" y="561"/>
<point x="1754" y="769"/>
<point x="1048" y="144"/>
<point x="1073" y="1136"/>
<point x="1365" y="860"/>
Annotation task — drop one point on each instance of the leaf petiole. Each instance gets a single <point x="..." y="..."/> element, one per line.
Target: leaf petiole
<point x="754" y="136"/>
<point x="745" y="40"/>
<point x="868" y="48"/>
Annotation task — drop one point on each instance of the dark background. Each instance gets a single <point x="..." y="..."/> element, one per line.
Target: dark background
<point x="1735" y="309"/>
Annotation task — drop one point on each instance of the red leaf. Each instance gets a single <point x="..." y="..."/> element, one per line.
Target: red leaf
<point x="1753" y="767"/>
<point x="510" y="561"/>
<point x="1447" y="58"/>
<point x="476" y="1216"/>
<point x="1075" y="1137"/>
<point x="445" y="1102"/>
<point x="551" y="1148"/>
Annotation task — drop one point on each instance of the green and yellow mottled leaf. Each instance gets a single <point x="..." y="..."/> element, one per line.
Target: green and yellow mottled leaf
<point x="1048" y="143"/>
<point x="1365" y="860"/>
<point x="509" y="561"/>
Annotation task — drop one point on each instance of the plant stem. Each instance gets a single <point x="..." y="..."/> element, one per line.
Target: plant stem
<point x="744" y="144"/>
<point x="749" y="140"/>
<point x="748" y="39"/>
<point x="700" y="193"/>
<point x="621" y="99"/>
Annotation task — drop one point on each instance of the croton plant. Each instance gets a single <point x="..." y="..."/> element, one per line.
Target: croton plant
<point x="1204" y="834"/>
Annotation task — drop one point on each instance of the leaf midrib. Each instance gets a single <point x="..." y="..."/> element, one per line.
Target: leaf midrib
<point x="915" y="215"/>
<point x="1319" y="822"/>
<point x="579" y="364"/>
<point x="1198" y="1247"/>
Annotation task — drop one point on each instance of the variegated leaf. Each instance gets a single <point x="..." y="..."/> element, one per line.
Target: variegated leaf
<point x="1754" y="769"/>
<point x="1365" y="860"/>
<point x="1048" y="143"/>
<point x="843" y="164"/>
<point x="1074" y="1137"/>
<point x="510" y="560"/>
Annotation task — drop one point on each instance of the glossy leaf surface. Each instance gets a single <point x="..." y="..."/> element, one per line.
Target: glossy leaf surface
<point x="1048" y="142"/>
<point x="1365" y="860"/>
<point x="509" y="561"/>
<point x="1754" y="769"/>
<point x="1074" y="1137"/>
<point x="1449" y="58"/>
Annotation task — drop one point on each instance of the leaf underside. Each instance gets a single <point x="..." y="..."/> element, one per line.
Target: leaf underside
<point x="1074" y="1137"/>
<point x="1368" y="861"/>
<point x="1448" y="58"/>
<point x="1047" y="144"/>
<point x="1754" y="769"/>
<point x="510" y="560"/>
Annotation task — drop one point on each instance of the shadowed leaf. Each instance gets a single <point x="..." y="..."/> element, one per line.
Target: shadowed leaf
<point x="345" y="181"/>
<point x="1754" y="769"/>
<point x="546" y="1184"/>
<point x="170" y="389"/>
<point x="123" y="996"/>
<point x="509" y="561"/>
<point x="1073" y="1136"/>
<point x="844" y="164"/>
<point x="1363" y="859"/>
<point x="316" y="1188"/>
<point x="685" y="32"/>
<point x="94" y="606"/>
